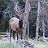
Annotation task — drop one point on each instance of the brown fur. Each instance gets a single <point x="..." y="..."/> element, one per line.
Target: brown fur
<point x="14" y="27"/>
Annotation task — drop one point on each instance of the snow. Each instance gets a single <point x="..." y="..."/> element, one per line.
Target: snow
<point x="20" y="43"/>
<point x="5" y="43"/>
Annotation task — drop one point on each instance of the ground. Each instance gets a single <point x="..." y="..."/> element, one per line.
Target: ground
<point x="5" y="43"/>
<point x="14" y="44"/>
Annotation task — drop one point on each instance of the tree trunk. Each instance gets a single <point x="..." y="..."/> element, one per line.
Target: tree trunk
<point x="37" y="23"/>
<point x="25" y="20"/>
<point x="43" y="27"/>
<point x="24" y="16"/>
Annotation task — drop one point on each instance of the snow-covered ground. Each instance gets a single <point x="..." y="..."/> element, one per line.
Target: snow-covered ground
<point x="5" y="43"/>
<point x="22" y="43"/>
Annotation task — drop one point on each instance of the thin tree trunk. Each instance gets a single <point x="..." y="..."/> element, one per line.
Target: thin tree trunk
<point x="43" y="27"/>
<point x="25" y="21"/>
<point x="25" y="17"/>
<point x="28" y="30"/>
<point x="37" y="23"/>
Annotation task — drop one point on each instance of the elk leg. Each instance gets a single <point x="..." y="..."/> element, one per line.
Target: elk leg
<point x="10" y="34"/>
<point x="17" y="36"/>
<point x="21" y="35"/>
<point x="14" y="35"/>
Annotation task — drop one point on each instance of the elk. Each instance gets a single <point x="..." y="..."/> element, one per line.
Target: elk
<point x="15" y="26"/>
<point x="25" y="23"/>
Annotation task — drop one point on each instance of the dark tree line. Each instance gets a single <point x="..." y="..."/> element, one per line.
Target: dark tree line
<point x="5" y="18"/>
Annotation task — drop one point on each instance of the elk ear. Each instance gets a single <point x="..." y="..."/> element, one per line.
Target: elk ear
<point x="18" y="13"/>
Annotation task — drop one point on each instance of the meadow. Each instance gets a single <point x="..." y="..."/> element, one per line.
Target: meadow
<point x="14" y="44"/>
